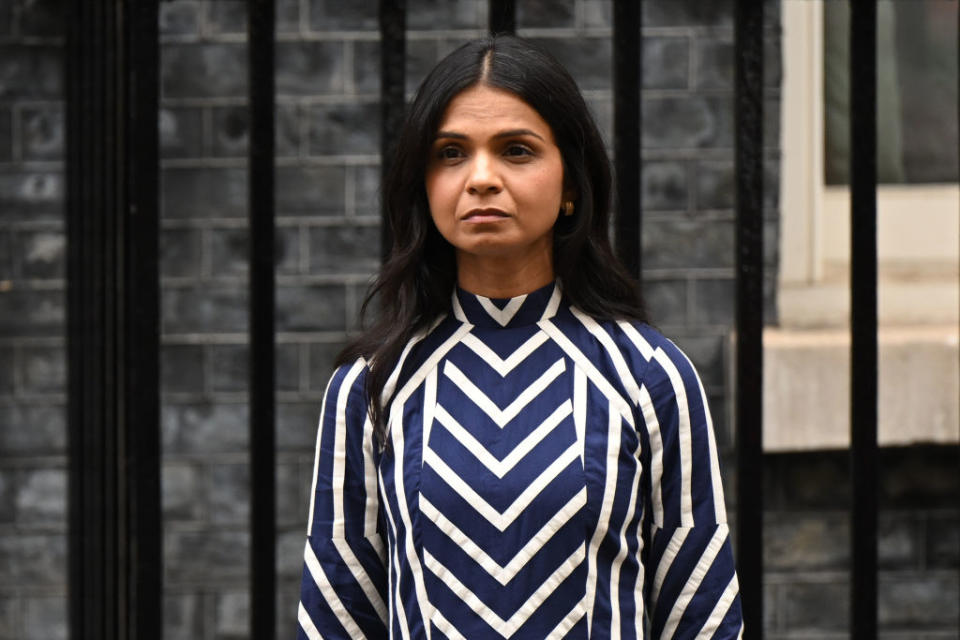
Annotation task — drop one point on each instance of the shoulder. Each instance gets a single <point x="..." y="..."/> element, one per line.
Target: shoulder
<point x="348" y="382"/>
<point x="668" y="366"/>
<point x="653" y="360"/>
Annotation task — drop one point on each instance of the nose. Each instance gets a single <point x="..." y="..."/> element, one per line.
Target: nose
<point x="484" y="177"/>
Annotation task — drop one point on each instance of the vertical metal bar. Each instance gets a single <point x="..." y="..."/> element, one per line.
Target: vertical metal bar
<point x="502" y="16"/>
<point x="113" y="332"/>
<point x="261" y="49"/>
<point x="141" y="354"/>
<point x="863" y="315"/>
<point x="393" y="58"/>
<point x="749" y="392"/>
<point x="627" y="78"/>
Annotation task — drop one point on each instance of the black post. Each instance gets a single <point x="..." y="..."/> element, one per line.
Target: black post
<point x="627" y="79"/>
<point x="393" y="58"/>
<point x="863" y="316"/>
<point x="113" y="336"/>
<point x="260" y="47"/>
<point x="749" y="393"/>
<point x="502" y="16"/>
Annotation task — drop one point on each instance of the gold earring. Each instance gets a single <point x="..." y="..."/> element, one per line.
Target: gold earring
<point x="568" y="208"/>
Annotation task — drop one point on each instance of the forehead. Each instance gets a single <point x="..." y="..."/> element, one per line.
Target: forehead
<point x="481" y="106"/>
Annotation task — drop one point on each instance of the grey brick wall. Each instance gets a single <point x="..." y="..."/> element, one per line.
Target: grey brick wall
<point x="327" y="242"/>
<point x="33" y="476"/>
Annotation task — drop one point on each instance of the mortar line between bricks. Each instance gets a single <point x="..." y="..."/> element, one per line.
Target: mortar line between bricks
<point x="236" y="282"/>
<point x="695" y="273"/>
<point x="235" y="338"/>
<point x="285" y="99"/>
<point x="22" y="166"/>
<point x="31" y="460"/>
<point x="22" y="397"/>
<point x="281" y="161"/>
<point x="177" y="224"/>
<point x="33" y="341"/>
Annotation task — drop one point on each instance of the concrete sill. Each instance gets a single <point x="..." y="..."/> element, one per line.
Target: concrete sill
<point x="807" y="387"/>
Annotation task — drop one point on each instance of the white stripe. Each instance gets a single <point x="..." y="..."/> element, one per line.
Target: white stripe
<point x="569" y="620"/>
<point x="598" y="380"/>
<point x="623" y="371"/>
<point x="446" y="627"/>
<point x="457" y="308"/>
<point x="501" y="366"/>
<point x="606" y="507"/>
<point x="410" y="551"/>
<point x="553" y="304"/>
<point x="502" y="416"/>
<point x="693" y="582"/>
<point x="505" y="627"/>
<point x="411" y="385"/>
<point x="501" y="520"/>
<point x="666" y="561"/>
<point x="505" y="315"/>
<point x="330" y="594"/>
<point x="684" y="436"/>
<point x="498" y="467"/>
<point x="505" y="573"/>
<point x="580" y="408"/>
<point x="719" y="508"/>
<point x="396" y="436"/>
<point x="639" y="613"/>
<point x="370" y="483"/>
<point x="316" y="458"/>
<point x="338" y="536"/>
<point x="396" y="603"/>
<point x="652" y="425"/>
<point x="430" y="407"/>
<point x="720" y="610"/>
<point x="621" y="556"/>
<point x="307" y="625"/>
<point x="391" y="382"/>
<point x="639" y="341"/>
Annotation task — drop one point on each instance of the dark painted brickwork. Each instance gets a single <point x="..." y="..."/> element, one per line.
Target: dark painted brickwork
<point x="33" y="476"/>
<point x="327" y="249"/>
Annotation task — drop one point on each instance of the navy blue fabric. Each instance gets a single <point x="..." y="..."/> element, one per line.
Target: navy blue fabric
<point x="547" y="476"/>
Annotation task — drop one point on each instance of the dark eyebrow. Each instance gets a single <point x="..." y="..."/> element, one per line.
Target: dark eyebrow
<point x="512" y="133"/>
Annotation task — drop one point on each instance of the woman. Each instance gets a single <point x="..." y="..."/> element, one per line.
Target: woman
<point x="509" y="450"/>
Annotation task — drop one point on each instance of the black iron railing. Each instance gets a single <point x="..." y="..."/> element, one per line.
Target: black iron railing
<point x="115" y="549"/>
<point x="749" y="311"/>
<point x="113" y="336"/>
<point x="263" y="512"/>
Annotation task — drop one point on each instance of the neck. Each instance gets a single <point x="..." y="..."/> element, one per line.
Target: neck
<point x="497" y="277"/>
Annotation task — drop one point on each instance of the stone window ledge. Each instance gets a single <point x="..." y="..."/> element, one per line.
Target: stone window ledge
<point x="807" y="387"/>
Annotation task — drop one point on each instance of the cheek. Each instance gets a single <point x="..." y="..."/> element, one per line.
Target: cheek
<point x="441" y="195"/>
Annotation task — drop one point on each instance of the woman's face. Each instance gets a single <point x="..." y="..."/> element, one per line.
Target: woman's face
<point x="494" y="179"/>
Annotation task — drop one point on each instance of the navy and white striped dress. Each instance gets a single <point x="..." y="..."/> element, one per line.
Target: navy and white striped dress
<point x="548" y="476"/>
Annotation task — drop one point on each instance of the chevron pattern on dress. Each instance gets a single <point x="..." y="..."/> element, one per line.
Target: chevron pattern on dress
<point x="502" y="486"/>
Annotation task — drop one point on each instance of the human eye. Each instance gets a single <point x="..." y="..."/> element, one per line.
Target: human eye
<point x="449" y="153"/>
<point x="517" y="151"/>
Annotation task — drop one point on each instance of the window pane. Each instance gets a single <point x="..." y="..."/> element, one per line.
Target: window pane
<point x="916" y="92"/>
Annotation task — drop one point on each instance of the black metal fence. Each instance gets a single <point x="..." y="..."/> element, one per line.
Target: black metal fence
<point x="113" y="336"/>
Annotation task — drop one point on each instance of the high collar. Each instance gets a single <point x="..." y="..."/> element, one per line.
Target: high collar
<point x="494" y="313"/>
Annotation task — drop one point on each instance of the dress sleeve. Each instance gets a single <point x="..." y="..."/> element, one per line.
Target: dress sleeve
<point x="690" y="582"/>
<point x="344" y="588"/>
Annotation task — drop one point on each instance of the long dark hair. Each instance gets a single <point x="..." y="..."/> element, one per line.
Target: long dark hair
<point x="416" y="281"/>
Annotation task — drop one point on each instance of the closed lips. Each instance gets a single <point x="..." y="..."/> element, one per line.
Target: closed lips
<point x="485" y="213"/>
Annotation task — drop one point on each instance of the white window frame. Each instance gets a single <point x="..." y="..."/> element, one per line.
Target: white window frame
<point x="807" y="358"/>
<point x="918" y="225"/>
